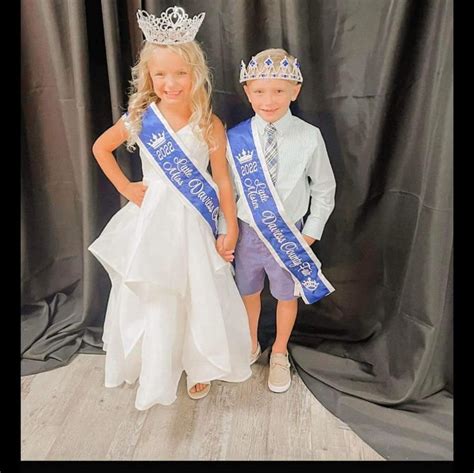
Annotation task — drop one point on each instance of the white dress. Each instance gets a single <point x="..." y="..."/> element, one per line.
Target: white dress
<point x="173" y="305"/>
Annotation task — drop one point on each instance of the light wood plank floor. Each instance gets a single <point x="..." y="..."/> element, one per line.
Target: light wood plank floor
<point x="67" y="414"/>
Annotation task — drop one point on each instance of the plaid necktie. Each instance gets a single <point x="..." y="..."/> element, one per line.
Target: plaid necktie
<point x="271" y="151"/>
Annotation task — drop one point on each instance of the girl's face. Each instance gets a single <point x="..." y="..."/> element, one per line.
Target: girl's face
<point x="171" y="76"/>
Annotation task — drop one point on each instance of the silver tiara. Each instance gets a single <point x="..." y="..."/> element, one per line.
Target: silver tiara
<point x="172" y="27"/>
<point x="267" y="69"/>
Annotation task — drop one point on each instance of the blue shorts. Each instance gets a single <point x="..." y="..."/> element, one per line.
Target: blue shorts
<point x="253" y="261"/>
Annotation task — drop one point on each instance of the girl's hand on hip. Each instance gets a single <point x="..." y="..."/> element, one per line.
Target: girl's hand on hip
<point x="135" y="192"/>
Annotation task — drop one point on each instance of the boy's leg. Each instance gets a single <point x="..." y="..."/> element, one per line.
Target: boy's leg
<point x="285" y="321"/>
<point x="253" y="305"/>
<point x="250" y="276"/>
<point x="279" y="375"/>
<point x="282" y="288"/>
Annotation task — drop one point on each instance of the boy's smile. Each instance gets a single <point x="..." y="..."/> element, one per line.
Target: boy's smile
<point x="271" y="98"/>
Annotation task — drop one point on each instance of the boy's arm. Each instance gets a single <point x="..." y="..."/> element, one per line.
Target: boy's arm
<point x="322" y="188"/>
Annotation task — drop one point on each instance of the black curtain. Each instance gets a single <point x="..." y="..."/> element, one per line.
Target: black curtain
<point x="378" y="83"/>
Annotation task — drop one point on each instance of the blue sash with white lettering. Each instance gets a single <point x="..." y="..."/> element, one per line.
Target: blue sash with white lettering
<point x="273" y="227"/>
<point x="161" y="143"/>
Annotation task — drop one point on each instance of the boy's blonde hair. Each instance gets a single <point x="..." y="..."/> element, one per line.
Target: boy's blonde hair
<point x="141" y="92"/>
<point x="277" y="55"/>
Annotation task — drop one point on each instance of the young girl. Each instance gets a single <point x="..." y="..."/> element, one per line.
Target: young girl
<point x="173" y="305"/>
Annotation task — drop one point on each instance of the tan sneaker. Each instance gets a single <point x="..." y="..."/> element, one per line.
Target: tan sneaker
<point x="256" y="354"/>
<point x="279" y="378"/>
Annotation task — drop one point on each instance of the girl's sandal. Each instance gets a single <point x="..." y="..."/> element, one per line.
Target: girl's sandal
<point x="199" y="394"/>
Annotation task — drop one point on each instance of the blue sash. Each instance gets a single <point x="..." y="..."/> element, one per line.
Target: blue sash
<point x="160" y="143"/>
<point x="273" y="227"/>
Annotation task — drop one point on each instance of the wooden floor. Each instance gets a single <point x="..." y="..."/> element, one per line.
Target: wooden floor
<point x="68" y="414"/>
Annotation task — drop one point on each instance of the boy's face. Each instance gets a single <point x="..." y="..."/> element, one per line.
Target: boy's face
<point x="271" y="98"/>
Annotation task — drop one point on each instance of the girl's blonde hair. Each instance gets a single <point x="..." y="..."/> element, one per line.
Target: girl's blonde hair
<point x="141" y="92"/>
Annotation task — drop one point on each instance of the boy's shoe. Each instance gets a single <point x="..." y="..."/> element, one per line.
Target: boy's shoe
<point x="256" y="354"/>
<point x="279" y="377"/>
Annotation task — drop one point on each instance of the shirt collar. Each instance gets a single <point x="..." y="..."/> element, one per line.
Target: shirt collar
<point x="282" y="125"/>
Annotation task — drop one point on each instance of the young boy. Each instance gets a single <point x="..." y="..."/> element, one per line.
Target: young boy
<point x="278" y="161"/>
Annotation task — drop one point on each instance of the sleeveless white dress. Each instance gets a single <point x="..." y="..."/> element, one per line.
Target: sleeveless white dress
<point x="173" y="305"/>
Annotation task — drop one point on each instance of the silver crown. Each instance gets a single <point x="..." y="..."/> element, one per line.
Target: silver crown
<point x="269" y="70"/>
<point x="245" y="156"/>
<point x="157" y="140"/>
<point x="310" y="284"/>
<point x="173" y="26"/>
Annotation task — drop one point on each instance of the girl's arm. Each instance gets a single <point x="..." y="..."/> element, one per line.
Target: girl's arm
<point x="221" y="177"/>
<point x="102" y="149"/>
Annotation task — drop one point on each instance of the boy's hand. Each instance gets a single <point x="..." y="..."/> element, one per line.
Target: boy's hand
<point x="309" y="240"/>
<point x="222" y="248"/>
<point x="135" y="192"/>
